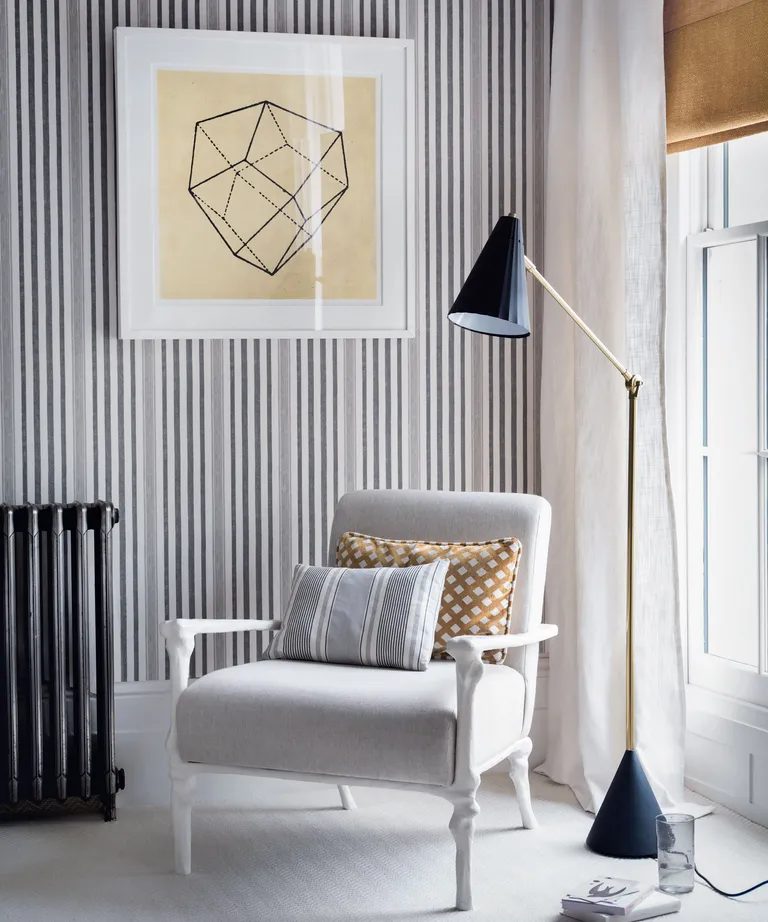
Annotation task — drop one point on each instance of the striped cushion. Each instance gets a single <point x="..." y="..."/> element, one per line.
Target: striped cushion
<point x="380" y="617"/>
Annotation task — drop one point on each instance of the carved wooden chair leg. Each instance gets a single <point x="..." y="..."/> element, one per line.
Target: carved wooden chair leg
<point x="462" y="826"/>
<point x="347" y="800"/>
<point x="518" y="772"/>
<point x="182" y="789"/>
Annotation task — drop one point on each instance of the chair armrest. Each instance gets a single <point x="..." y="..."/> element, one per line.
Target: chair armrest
<point x="467" y="650"/>
<point x="190" y="627"/>
<point x="179" y="637"/>
<point x="480" y="644"/>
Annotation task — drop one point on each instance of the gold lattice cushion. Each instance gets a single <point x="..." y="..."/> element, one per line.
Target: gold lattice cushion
<point x="477" y="595"/>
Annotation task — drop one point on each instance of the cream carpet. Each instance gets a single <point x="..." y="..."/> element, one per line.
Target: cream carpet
<point x="300" y="857"/>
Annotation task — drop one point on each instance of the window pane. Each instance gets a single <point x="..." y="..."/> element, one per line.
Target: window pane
<point x="748" y="180"/>
<point x="732" y="526"/>
<point x="732" y="491"/>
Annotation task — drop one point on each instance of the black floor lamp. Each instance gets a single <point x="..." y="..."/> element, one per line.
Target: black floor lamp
<point x="494" y="301"/>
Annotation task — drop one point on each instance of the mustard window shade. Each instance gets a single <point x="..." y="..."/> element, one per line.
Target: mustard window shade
<point x="716" y="68"/>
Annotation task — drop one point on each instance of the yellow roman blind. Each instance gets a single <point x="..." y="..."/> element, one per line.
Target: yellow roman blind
<point x="716" y="69"/>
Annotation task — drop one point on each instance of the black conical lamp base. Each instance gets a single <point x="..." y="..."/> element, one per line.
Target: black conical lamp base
<point x="625" y="826"/>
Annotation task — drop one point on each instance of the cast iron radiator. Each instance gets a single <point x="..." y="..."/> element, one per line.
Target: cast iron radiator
<point x="57" y="711"/>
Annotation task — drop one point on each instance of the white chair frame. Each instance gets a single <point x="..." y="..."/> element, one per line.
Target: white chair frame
<point x="466" y="650"/>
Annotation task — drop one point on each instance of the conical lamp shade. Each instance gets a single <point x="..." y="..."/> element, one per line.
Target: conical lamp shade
<point x="494" y="298"/>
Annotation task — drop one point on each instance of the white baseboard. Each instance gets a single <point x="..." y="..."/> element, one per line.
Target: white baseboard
<point x="141" y="721"/>
<point x="141" y="725"/>
<point x="727" y="752"/>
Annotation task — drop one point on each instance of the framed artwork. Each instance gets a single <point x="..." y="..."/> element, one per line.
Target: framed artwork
<point x="266" y="185"/>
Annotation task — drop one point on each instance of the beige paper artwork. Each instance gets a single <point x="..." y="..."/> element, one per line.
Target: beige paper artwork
<point x="267" y="186"/>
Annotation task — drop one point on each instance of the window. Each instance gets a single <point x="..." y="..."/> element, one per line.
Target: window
<point x="726" y="412"/>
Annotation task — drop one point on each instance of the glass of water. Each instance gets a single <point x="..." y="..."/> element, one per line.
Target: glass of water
<point x="674" y="834"/>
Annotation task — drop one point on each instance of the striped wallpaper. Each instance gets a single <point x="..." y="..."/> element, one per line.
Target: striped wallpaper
<point x="226" y="458"/>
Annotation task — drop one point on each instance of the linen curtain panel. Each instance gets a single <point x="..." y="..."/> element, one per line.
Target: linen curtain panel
<point x="605" y="253"/>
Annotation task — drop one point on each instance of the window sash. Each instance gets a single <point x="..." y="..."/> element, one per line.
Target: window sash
<point x="704" y="668"/>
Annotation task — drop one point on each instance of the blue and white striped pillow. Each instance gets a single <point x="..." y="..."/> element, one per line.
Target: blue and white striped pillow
<point x="379" y="617"/>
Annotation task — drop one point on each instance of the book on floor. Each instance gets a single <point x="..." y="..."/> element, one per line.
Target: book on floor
<point x="655" y="904"/>
<point x="610" y="895"/>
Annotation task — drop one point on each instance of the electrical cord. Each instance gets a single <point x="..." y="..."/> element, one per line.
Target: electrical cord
<point x="722" y="892"/>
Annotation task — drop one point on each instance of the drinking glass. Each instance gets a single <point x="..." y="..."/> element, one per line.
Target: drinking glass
<point x="674" y="834"/>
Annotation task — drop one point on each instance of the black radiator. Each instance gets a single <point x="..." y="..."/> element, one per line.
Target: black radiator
<point x="57" y="711"/>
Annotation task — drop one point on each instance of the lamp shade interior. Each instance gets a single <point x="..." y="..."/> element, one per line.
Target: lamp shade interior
<point x="491" y="326"/>
<point x="494" y="298"/>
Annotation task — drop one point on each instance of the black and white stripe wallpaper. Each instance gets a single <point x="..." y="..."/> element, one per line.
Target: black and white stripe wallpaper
<point x="226" y="458"/>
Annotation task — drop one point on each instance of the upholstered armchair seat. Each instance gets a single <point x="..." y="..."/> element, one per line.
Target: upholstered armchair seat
<point x="433" y="731"/>
<point x="350" y="721"/>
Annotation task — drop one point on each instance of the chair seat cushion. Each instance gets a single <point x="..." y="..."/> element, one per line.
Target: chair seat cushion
<point x="348" y="721"/>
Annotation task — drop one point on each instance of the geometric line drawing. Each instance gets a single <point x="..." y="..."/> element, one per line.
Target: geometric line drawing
<point x="267" y="179"/>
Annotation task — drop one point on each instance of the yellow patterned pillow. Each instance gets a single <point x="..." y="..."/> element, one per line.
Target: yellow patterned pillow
<point x="477" y="595"/>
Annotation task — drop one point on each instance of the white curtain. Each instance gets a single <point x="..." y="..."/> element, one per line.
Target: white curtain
<point x="605" y="252"/>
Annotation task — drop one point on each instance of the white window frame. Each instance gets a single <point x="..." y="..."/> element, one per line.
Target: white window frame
<point x="727" y="737"/>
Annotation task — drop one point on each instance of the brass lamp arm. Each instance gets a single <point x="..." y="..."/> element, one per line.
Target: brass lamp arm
<point x="577" y="320"/>
<point x="633" y="384"/>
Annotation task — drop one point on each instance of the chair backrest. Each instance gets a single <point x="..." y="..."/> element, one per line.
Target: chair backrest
<point x="445" y="516"/>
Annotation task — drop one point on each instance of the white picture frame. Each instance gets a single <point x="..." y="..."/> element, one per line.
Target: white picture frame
<point x="145" y="310"/>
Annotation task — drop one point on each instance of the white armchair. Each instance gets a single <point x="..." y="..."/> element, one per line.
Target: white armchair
<point x="435" y="731"/>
